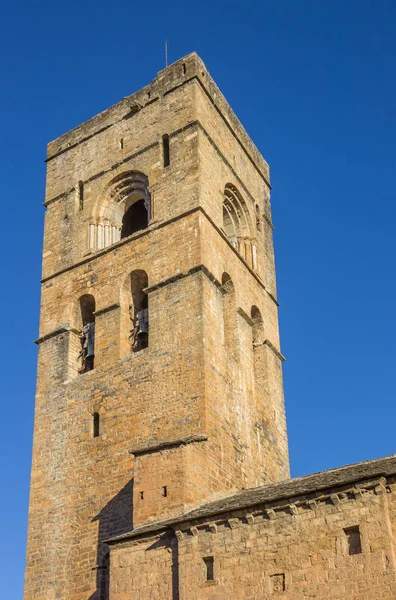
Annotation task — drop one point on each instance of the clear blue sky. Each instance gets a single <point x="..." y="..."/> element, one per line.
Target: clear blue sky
<point x="314" y="84"/>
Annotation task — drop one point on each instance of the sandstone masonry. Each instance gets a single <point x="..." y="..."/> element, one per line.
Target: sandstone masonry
<point x="160" y="460"/>
<point x="159" y="375"/>
<point x="328" y="535"/>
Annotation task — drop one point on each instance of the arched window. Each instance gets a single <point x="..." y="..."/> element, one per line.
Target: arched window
<point x="257" y="328"/>
<point x="135" y="219"/>
<point x="87" y="333"/>
<point x="227" y="285"/>
<point x="230" y="225"/>
<point x="237" y="223"/>
<point x="135" y="308"/>
<point x="124" y="210"/>
<point x="260" y="360"/>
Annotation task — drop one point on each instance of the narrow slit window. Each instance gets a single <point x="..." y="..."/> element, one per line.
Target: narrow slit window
<point x="209" y="568"/>
<point x="165" y="146"/>
<point x="353" y="540"/>
<point x="164" y="491"/>
<point x="96" y="425"/>
<point x="121" y="143"/>
<point x="141" y="495"/>
<point x="80" y="195"/>
<point x="184" y="69"/>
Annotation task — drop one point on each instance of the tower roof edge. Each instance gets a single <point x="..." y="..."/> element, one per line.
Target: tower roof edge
<point x="188" y="68"/>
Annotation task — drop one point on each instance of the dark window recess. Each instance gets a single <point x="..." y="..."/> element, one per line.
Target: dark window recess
<point x="135" y="219"/>
<point x="141" y="495"/>
<point x="164" y="491"/>
<point x="353" y="539"/>
<point x="80" y="195"/>
<point x="96" y="425"/>
<point x="121" y="143"/>
<point x="140" y="332"/>
<point x="87" y="334"/>
<point x="184" y="69"/>
<point x="209" y="564"/>
<point x="165" y="145"/>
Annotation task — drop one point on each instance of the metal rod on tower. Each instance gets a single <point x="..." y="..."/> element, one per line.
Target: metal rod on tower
<point x="166" y="53"/>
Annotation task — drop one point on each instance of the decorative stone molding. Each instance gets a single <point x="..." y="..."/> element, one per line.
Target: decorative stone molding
<point x="102" y="311"/>
<point x="245" y="316"/>
<point x="179" y="276"/>
<point x="54" y="333"/>
<point x="191" y="439"/>
<point x="381" y="487"/>
<point x="233" y="523"/>
<point x="274" y="350"/>
<point x="354" y="483"/>
<point x="358" y="493"/>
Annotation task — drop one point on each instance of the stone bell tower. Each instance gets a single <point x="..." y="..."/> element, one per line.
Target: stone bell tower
<point x="159" y="380"/>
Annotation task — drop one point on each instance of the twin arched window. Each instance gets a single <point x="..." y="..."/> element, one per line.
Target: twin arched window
<point x="134" y="320"/>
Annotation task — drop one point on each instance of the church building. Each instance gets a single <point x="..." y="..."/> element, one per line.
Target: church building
<point x="160" y="458"/>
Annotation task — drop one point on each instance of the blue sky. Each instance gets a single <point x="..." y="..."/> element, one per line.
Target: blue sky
<point x="314" y="84"/>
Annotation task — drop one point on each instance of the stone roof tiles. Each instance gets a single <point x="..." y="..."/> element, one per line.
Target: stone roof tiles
<point x="299" y="486"/>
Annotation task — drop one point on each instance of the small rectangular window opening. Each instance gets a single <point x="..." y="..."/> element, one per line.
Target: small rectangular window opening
<point x="164" y="491"/>
<point x="165" y="146"/>
<point x="80" y="195"/>
<point x="184" y="69"/>
<point x="141" y="495"/>
<point x="96" y="425"/>
<point x="121" y="143"/>
<point x="209" y="566"/>
<point x="353" y="539"/>
<point x="278" y="582"/>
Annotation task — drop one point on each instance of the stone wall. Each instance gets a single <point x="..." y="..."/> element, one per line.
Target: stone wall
<point x="293" y="541"/>
<point x="201" y="387"/>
